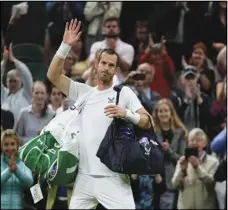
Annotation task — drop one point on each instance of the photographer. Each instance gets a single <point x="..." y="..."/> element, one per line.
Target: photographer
<point x="194" y="174"/>
<point x="191" y="104"/>
<point x="140" y="81"/>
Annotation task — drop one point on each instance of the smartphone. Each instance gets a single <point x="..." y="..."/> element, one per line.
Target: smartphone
<point x="191" y="152"/>
<point x="139" y="76"/>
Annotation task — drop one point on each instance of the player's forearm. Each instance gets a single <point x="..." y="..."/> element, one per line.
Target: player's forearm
<point x="55" y="69"/>
<point x="139" y="118"/>
<point x="144" y="122"/>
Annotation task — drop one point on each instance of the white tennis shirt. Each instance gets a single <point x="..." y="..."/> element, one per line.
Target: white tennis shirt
<point x="95" y="123"/>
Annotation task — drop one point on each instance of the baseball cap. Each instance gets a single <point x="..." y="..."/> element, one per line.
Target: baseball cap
<point x="189" y="71"/>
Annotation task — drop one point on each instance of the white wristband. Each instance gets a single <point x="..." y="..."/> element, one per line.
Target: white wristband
<point x="63" y="50"/>
<point x="132" y="117"/>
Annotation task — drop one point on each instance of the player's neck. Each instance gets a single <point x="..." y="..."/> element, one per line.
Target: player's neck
<point x="103" y="86"/>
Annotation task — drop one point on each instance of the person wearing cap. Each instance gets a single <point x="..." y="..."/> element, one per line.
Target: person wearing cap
<point x="191" y="104"/>
<point x="156" y="55"/>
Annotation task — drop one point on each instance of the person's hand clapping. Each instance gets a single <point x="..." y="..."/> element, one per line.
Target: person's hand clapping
<point x="72" y="32"/>
<point x="12" y="163"/>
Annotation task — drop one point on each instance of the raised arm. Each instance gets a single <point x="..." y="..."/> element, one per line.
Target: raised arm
<point x="54" y="74"/>
<point x="4" y="91"/>
<point x="25" y="73"/>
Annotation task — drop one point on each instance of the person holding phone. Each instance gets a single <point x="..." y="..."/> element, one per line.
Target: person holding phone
<point x="15" y="176"/>
<point x="139" y="81"/>
<point x="194" y="174"/>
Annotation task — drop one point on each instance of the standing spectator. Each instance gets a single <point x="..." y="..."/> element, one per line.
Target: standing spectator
<point x="56" y="101"/>
<point x="171" y="131"/>
<point x="215" y="32"/>
<point x="19" y="81"/>
<point x="33" y="118"/>
<point x="15" y="176"/>
<point x="191" y="104"/>
<point x="194" y="176"/>
<point x="218" y="145"/>
<point x="112" y="40"/>
<point x="156" y="55"/>
<point x="200" y="61"/>
<point x="69" y="62"/>
<point x="96" y="13"/>
<point x="180" y="26"/>
<point x="141" y="86"/>
<point x="221" y="178"/>
<point x="139" y="41"/>
<point x="34" y="20"/>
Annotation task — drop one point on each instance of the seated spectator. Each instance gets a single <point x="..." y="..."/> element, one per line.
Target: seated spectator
<point x="156" y="55"/>
<point x="171" y="132"/>
<point x="56" y="101"/>
<point x="194" y="176"/>
<point x="200" y="61"/>
<point x="17" y="94"/>
<point x="191" y="104"/>
<point x="34" y="118"/>
<point x="15" y="176"/>
<point x="141" y="86"/>
<point x="96" y="13"/>
<point x="139" y="41"/>
<point x="112" y="40"/>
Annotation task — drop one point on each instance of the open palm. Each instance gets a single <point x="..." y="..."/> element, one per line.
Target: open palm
<point x="72" y="32"/>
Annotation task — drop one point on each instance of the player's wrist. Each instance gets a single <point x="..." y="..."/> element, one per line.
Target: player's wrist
<point x="132" y="116"/>
<point x="63" y="50"/>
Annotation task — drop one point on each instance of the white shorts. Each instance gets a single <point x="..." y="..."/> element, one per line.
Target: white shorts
<point x="112" y="192"/>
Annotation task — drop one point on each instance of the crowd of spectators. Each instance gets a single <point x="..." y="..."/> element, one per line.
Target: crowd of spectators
<point x="172" y="55"/>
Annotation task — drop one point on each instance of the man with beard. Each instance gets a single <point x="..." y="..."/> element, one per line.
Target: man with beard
<point x="95" y="183"/>
<point x="125" y="51"/>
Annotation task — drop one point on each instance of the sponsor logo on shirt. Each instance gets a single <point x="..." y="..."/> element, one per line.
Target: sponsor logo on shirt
<point x="111" y="100"/>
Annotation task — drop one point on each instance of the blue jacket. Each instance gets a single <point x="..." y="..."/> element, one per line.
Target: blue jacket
<point x="13" y="184"/>
<point x="218" y="145"/>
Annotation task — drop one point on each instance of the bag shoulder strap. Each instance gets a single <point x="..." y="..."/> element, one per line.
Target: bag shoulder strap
<point x="118" y="88"/>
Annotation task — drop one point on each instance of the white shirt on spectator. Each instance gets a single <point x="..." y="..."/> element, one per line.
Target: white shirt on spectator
<point x="95" y="123"/>
<point x="14" y="102"/>
<point x="57" y="111"/>
<point x="124" y="50"/>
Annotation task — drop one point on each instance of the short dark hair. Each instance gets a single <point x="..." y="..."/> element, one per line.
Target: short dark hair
<point x="109" y="19"/>
<point x="110" y="52"/>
